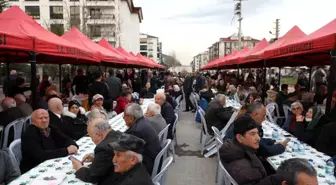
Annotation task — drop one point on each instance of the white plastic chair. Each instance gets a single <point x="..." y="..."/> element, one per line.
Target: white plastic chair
<point x="156" y="183"/>
<point x="161" y="177"/>
<point x="160" y="156"/>
<point x="218" y="139"/>
<point x="17" y="126"/>
<point x="178" y="99"/>
<point x="163" y="134"/>
<point x="174" y="134"/>
<point x="15" y="153"/>
<point x="224" y="177"/>
<point x="286" y="110"/>
<point x="270" y="112"/>
<point x="211" y="148"/>
<point x="206" y="137"/>
<point x="26" y="123"/>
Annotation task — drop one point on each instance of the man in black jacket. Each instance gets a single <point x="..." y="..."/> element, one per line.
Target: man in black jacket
<point x="101" y="134"/>
<point x="10" y="111"/>
<point x="42" y="142"/>
<point x="114" y="85"/>
<point x="167" y="112"/>
<point x="140" y="127"/>
<point x="187" y="88"/>
<point x="217" y="115"/>
<point x="81" y="82"/>
<point x="127" y="161"/>
<point x="100" y="87"/>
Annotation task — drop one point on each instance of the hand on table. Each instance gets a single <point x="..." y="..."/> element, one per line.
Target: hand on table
<point x="76" y="164"/>
<point x="88" y="158"/>
<point x="72" y="149"/>
<point x="284" y="143"/>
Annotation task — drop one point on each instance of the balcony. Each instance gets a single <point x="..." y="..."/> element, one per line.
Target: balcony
<point x="102" y="16"/>
<point x="101" y="19"/>
<point x="34" y="15"/>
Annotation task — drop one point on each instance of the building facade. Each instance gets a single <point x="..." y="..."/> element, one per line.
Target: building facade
<point x="118" y="21"/>
<point x="228" y="45"/>
<point x="200" y="60"/>
<point x="151" y="47"/>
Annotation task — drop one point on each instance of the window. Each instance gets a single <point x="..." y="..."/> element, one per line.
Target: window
<point x="158" y="55"/>
<point x="56" y="12"/>
<point x="58" y="29"/>
<point x="31" y="0"/>
<point x="95" y="13"/>
<point x="143" y="54"/>
<point x="33" y="11"/>
<point x="74" y="15"/>
<point x="112" y="43"/>
<point x="143" y="41"/>
<point x="55" y="0"/>
<point x="96" y="31"/>
<point x="143" y="47"/>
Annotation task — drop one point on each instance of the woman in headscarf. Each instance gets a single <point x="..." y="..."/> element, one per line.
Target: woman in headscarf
<point x="75" y="119"/>
<point x="97" y="101"/>
<point x="307" y="128"/>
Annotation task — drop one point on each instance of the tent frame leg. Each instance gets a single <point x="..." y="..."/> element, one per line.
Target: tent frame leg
<point x="33" y="79"/>
<point x="331" y="80"/>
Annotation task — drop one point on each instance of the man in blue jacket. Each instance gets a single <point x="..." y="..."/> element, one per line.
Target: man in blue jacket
<point x="268" y="147"/>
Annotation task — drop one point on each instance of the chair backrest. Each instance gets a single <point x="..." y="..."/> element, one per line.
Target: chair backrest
<point x="204" y="124"/>
<point x="160" y="156"/>
<point x="223" y="171"/>
<point x="156" y="183"/>
<point x="15" y="152"/>
<point x="286" y="110"/>
<point x="163" y="134"/>
<point x="174" y="125"/>
<point x="161" y="176"/>
<point x="178" y="99"/>
<point x="270" y="112"/>
<point x="26" y="123"/>
<point x="229" y="123"/>
<point x="17" y="126"/>
<point x="216" y="132"/>
<point x="201" y="110"/>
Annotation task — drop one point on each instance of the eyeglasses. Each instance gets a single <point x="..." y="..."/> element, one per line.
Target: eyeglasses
<point x="295" y="108"/>
<point x="100" y="99"/>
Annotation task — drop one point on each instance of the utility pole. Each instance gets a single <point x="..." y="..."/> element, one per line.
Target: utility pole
<point x="277" y="28"/>
<point x="238" y="12"/>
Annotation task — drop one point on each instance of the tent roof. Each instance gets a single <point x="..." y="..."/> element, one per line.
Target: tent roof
<point x="104" y="43"/>
<point x="128" y="56"/>
<point x="21" y="34"/>
<point x="322" y="40"/>
<point x="74" y="35"/>
<point x="291" y="35"/>
<point x="231" y="60"/>
<point x="152" y="62"/>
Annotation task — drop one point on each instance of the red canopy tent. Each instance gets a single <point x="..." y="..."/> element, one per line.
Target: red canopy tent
<point x="234" y="58"/>
<point x="129" y="56"/>
<point x="104" y="43"/>
<point x="20" y="34"/>
<point x="215" y="63"/>
<point x="159" y="65"/>
<point x="142" y="61"/>
<point x="313" y="48"/>
<point x="290" y="36"/>
<point x="152" y="62"/>
<point x="75" y="36"/>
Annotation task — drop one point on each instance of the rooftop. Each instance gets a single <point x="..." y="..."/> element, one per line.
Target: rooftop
<point x="135" y="10"/>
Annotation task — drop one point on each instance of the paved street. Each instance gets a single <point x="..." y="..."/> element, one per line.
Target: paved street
<point x="190" y="167"/>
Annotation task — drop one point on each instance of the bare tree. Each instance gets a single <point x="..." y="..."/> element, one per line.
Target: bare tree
<point x="3" y="5"/>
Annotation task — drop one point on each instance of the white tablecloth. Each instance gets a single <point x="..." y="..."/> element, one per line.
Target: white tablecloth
<point x="319" y="159"/>
<point x="63" y="165"/>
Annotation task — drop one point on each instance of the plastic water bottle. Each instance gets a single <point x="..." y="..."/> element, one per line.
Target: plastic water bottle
<point x="330" y="167"/>
<point x="275" y="134"/>
<point x="295" y="147"/>
<point x="301" y="148"/>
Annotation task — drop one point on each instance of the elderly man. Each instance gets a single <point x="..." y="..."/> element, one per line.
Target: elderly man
<point x="140" y="127"/>
<point x="298" y="171"/>
<point x="217" y="115"/>
<point x="10" y="111"/>
<point x="127" y="162"/>
<point x="9" y="83"/>
<point x="167" y="112"/>
<point x="42" y="141"/>
<point x="268" y="147"/>
<point x="101" y="134"/>
<point x="155" y="118"/>
<point x="25" y="108"/>
<point x="55" y="111"/>
<point x="240" y="159"/>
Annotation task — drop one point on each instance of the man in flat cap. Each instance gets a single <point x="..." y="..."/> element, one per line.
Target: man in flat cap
<point x="239" y="155"/>
<point x="127" y="162"/>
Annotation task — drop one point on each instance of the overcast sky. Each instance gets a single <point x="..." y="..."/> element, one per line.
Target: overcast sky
<point x="189" y="27"/>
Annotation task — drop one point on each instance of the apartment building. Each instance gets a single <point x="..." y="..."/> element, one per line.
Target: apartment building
<point x="118" y="21"/>
<point x="229" y="44"/>
<point x="151" y="47"/>
<point x="200" y="60"/>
